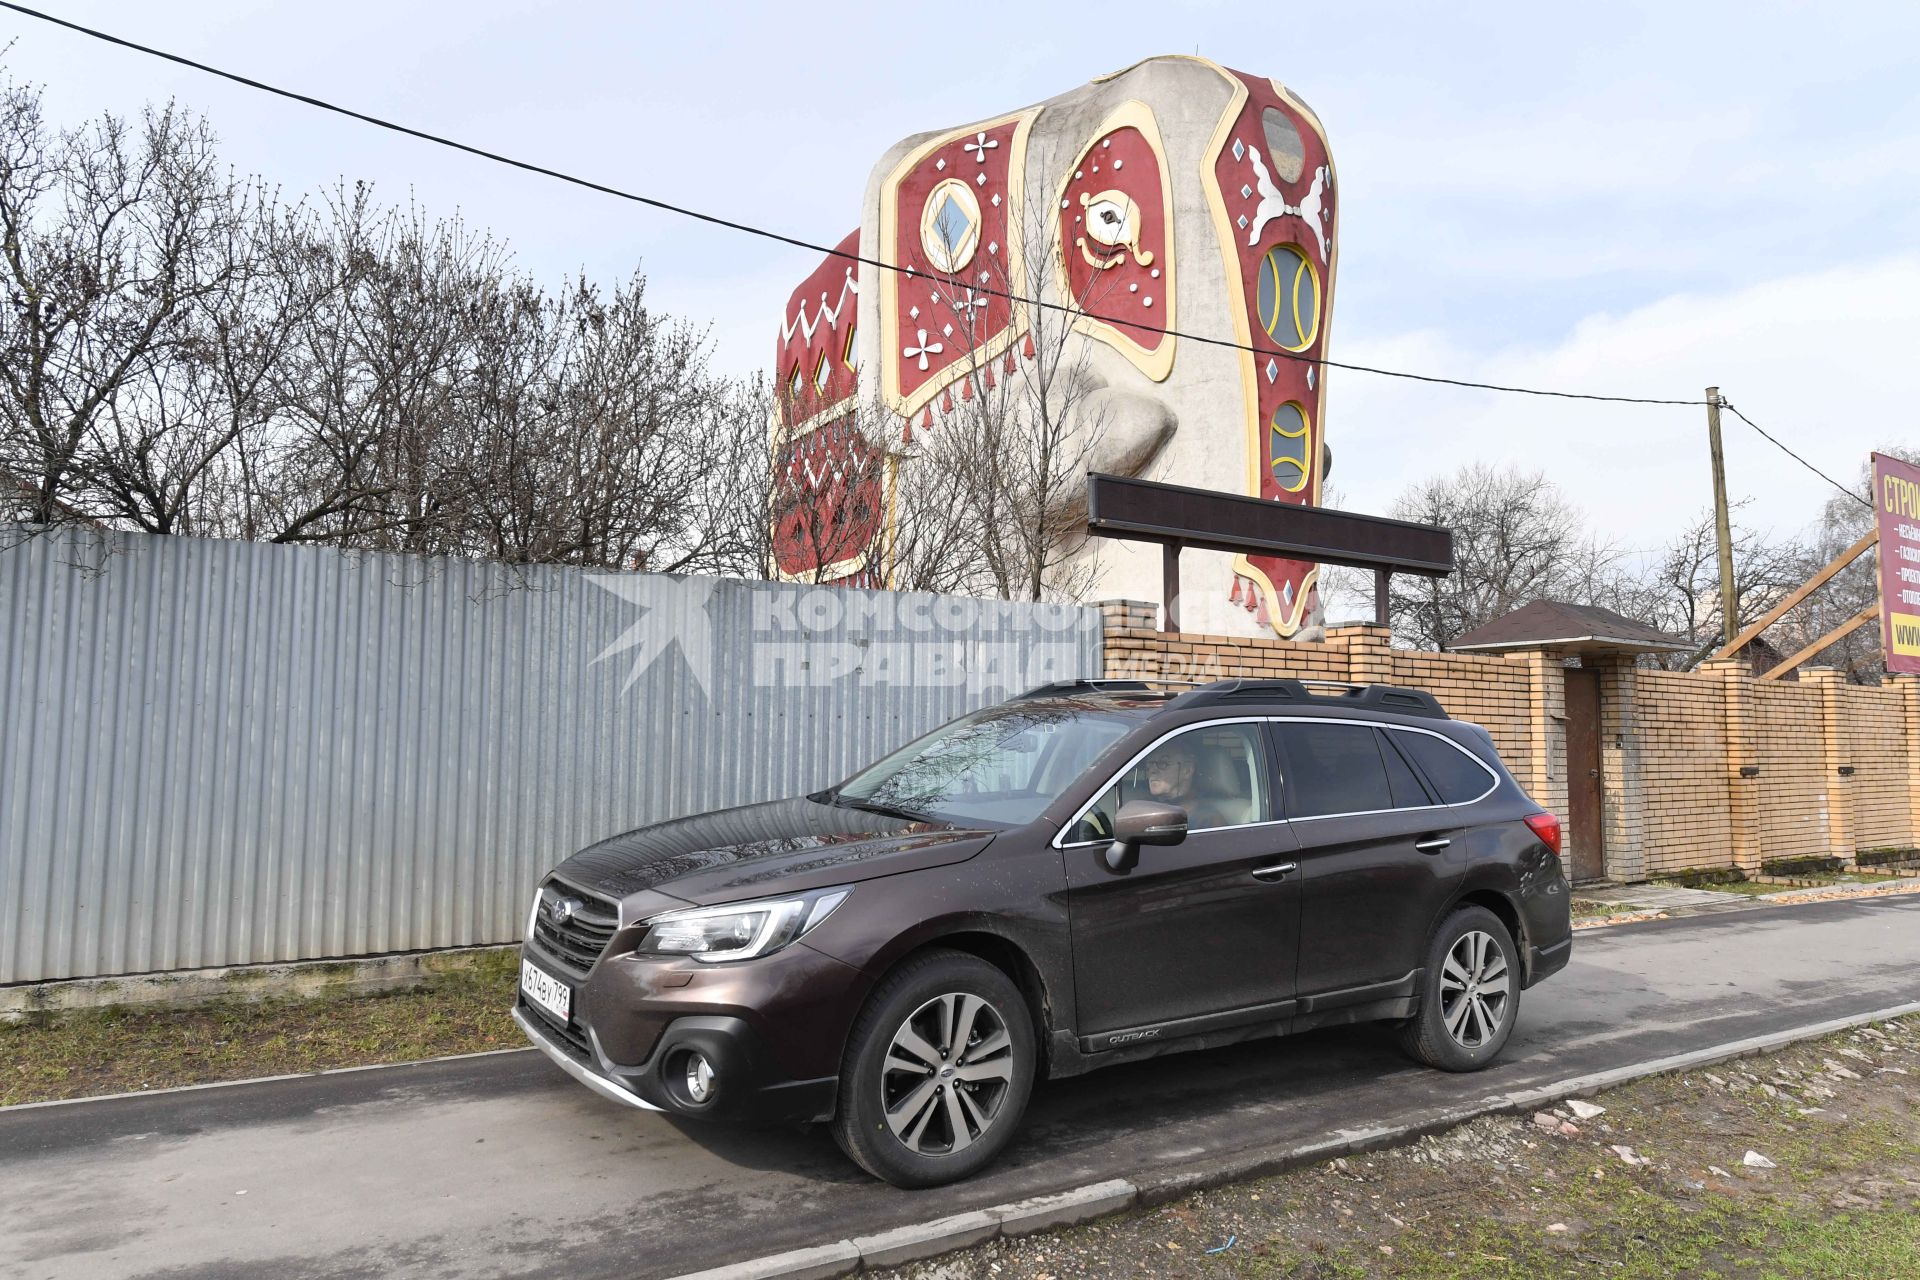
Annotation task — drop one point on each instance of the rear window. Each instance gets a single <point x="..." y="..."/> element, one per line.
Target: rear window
<point x="1334" y="768"/>
<point x="1408" y="791"/>
<point x="1458" y="776"/>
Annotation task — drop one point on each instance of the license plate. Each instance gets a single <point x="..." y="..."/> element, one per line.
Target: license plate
<point x="545" y="990"/>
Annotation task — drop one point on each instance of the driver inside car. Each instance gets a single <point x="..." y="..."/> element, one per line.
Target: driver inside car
<point x="1171" y="779"/>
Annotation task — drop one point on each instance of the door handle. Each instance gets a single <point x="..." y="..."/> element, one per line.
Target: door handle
<point x="1276" y="871"/>
<point x="1433" y="844"/>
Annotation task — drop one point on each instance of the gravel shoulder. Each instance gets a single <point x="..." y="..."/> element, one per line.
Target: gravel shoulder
<point x="1804" y="1162"/>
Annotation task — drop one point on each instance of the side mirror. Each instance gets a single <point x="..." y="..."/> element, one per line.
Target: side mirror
<point x="1143" y="822"/>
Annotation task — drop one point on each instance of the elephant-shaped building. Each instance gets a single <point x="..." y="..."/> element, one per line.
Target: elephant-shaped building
<point x="1175" y="197"/>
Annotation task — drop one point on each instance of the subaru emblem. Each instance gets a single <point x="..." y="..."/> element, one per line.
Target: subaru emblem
<point x="561" y="910"/>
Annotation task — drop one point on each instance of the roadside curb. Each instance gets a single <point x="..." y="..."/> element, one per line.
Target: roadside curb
<point x="243" y="1080"/>
<point x="1786" y="898"/>
<point x="920" y="1241"/>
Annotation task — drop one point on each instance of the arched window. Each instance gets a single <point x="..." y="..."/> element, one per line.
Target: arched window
<point x="1288" y="439"/>
<point x="1289" y="298"/>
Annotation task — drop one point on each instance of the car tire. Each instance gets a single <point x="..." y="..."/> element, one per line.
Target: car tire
<point x="904" y="1096"/>
<point x="1469" y="994"/>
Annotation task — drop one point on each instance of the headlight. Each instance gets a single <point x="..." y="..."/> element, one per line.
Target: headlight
<point x="739" y="930"/>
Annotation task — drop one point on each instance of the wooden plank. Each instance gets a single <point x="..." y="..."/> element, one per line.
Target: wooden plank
<point x="1860" y="619"/>
<point x="1811" y="585"/>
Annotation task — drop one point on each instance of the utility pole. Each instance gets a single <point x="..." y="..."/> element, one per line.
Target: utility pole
<point x="1722" y="530"/>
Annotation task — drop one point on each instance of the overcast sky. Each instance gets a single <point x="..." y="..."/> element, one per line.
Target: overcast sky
<point x="1633" y="199"/>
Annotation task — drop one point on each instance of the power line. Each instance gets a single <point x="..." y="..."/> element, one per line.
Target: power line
<point x="835" y="252"/>
<point x="782" y="238"/>
<point x="1728" y="406"/>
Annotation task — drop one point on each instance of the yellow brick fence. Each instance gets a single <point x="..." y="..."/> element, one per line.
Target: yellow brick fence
<point x="1704" y="769"/>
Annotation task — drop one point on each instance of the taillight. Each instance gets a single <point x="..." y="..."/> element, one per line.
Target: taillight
<point x="1547" y="827"/>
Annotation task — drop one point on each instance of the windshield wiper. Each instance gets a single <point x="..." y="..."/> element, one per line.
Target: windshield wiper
<point x="874" y="806"/>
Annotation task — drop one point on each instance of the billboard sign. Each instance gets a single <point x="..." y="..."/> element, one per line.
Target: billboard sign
<point x="1896" y="510"/>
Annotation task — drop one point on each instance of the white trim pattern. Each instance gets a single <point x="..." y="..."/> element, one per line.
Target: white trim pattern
<point x="831" y="314"/>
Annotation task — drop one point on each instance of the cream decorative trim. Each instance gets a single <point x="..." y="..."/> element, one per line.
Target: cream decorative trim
<point x="1329" y="278"/>
<point x="1208" y="63"/>
<point x="813" y="421"/>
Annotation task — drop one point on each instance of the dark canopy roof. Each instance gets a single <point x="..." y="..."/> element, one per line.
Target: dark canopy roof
<point x="1559" y="625"/>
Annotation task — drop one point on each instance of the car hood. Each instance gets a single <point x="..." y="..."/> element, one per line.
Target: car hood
<point x="783" y="846"/>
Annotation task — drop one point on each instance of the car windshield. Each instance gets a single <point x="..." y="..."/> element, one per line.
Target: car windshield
<point x="1002" y="765"/>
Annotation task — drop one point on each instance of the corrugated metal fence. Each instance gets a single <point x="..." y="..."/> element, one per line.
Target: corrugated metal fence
<point x="226" y="752"/>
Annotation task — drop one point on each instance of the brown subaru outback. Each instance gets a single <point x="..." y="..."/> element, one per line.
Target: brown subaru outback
<point x="1088" y="874"/>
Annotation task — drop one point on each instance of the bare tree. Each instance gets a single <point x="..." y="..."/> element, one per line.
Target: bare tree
<point x="1686" y="578"/>
<point x="1515" y="540"/>
<point x="1843" y="522"/>
<point x="182" y="353"/>
<point x="1014" y="450"/>
<point x="110" y="237"/>
<point x="168" y="457"/>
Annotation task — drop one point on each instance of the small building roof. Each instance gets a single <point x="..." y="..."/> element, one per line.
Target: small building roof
<point x="1577" y="628"/>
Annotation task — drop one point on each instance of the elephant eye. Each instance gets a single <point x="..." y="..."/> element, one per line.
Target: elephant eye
<point x="1108" y="222"/>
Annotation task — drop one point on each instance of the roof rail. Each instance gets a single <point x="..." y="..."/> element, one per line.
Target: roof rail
<point x="1060" y="688"/>
<point x="1373" y="697"/>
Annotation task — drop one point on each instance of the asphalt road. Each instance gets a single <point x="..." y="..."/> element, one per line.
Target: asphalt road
<point x="501" y="1166"/>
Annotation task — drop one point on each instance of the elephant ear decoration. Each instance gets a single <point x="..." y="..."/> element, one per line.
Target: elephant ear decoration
<point x="1270" y="184"/>
<point x="829" y="482"/>
<point x="1116" y="257"/>
<point x="950" y="214"/>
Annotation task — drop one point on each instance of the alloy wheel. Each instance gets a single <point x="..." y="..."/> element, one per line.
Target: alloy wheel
<point x="1475" y="989"/>
<point x="947" y="1074"/>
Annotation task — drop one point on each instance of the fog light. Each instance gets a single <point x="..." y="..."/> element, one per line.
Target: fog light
<point x="699" y="1078"/>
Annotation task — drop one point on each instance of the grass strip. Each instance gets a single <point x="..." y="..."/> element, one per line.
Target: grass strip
<point x="81" y="1053"/>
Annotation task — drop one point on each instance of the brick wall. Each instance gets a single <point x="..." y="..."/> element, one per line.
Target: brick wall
<point x="1876" y="750"/>
<point x="1673" y="744"/>
<point x="1792" y="797"/>
<point x="1492" y="692"/>
<point x="1681" y="722"/>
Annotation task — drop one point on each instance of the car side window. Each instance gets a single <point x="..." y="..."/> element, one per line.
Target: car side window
<point x="1408" y="791"/>
<point x="1218" y="773"/>
<point x="1453" y="773"/>
<point x="1334" y="768"/>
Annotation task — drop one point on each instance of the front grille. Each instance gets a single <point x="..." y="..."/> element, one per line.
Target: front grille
<point x="569" y="1035"/>
<point x="575" y="938"/>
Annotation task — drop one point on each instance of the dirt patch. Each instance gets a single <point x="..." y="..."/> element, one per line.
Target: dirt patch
<point x="1658" y="1183"/>
<point x="88" y="1052"/>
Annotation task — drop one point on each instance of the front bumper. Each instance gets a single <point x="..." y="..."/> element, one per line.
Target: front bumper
<point x="567" y="1060"/>
<point x="772" y="1029"/>
<point x="746" y="1087"/>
